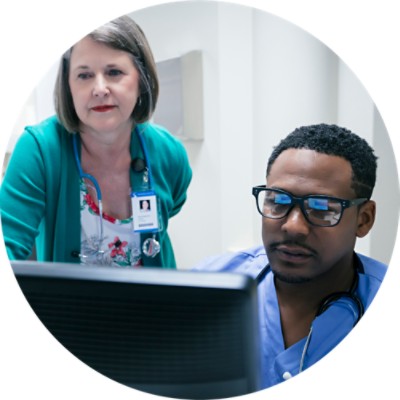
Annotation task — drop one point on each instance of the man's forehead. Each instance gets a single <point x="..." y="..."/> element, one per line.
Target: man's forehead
<point x="311" y="158"/>
<point x="302" y="165"/>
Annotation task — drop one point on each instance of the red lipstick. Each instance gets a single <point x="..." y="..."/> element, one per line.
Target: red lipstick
<point x="103" y="108"/>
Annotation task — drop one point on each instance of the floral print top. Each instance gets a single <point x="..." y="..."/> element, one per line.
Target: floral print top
<point x="120" y="245"/>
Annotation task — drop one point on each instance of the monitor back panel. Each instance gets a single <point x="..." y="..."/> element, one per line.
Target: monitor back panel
<point x="172" y="333"/>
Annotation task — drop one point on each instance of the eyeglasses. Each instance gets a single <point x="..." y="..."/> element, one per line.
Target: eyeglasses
<point x="318" y="210"/>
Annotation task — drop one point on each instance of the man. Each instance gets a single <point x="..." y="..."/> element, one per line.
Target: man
<point x="313" y="287"/>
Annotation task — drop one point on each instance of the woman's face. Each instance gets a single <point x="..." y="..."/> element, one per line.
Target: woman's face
<point x="104" y="85"/>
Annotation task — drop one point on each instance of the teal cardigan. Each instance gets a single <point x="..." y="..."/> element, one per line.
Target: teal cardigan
<point x="39" y="195"/>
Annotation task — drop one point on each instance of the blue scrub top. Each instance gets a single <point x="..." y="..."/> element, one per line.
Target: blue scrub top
<point x="328" y="329"/>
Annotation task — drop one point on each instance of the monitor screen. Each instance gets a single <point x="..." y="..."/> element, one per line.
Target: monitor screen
<point x="175" y="333"/>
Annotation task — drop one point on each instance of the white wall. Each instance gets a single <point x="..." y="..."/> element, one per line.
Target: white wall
<point x="263" y="77"/>
<point x="295" y="84"/>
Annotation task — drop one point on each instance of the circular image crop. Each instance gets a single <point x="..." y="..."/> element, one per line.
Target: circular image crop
<point x="269" y="222"/>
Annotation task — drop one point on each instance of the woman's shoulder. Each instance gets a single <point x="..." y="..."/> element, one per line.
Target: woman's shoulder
<point x="166" y="152"/>
<point x="157" y="135"/>
<point x="48" y="134"/>
<point x="49" y="128"/>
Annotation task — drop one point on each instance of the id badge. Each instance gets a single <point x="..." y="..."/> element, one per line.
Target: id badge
<point x="145" y="213"/>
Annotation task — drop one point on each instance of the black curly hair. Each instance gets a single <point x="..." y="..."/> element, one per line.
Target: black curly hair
<point x="337" y="141"/>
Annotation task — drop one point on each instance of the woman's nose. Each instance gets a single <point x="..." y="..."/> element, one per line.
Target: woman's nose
<point x="100" y="88"/>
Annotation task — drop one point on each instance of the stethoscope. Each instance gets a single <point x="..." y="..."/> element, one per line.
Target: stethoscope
<point x="355" y="303"/>
<point x="150" y="247"/>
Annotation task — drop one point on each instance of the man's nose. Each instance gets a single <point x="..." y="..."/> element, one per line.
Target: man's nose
<point x="295" y="223"/>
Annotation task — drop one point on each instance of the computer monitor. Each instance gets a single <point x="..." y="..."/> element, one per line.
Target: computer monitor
<point x="175" y="333"/>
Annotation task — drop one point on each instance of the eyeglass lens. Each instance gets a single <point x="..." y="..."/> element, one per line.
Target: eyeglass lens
<point x="317" y="210"/>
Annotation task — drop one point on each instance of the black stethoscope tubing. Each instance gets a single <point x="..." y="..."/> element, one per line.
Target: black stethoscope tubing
<point x="334" y="297"/>
<point x="326" y="303"/>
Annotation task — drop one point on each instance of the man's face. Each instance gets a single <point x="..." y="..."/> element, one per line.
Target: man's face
<point x="298" y="251"/>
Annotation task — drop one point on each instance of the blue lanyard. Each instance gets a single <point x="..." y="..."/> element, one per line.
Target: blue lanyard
<point x="151" y="246"/>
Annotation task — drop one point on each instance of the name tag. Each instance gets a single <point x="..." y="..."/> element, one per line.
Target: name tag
<point x="145" y="213"/>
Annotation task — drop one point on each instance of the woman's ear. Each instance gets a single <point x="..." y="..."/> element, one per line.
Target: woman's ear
<point x="366" y="218"/>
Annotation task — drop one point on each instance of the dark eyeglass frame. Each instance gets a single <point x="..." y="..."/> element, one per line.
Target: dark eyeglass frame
<point x="300" y="201"/>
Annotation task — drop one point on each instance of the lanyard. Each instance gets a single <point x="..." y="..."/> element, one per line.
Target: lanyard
<point x="151" y="247"/>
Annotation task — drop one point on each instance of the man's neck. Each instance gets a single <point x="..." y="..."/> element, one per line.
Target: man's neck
<point x="299" y="302"/>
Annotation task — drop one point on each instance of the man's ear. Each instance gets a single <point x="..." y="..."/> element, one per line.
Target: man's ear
<point x="366" y="218"/>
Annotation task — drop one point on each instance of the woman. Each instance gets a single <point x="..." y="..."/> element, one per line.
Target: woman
<point x="74" y="181"/>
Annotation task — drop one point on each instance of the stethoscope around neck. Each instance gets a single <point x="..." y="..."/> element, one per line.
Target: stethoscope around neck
<point x="350" y="296"/>
<point x="151" y="247"/>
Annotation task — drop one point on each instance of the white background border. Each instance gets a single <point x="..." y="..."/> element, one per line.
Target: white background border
<point x="364" y="34"/>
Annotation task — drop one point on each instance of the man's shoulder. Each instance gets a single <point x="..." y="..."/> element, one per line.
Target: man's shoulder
<point x="370" y="281"/>
<point x="249" y="261"/>
<point x="373" y="268"/>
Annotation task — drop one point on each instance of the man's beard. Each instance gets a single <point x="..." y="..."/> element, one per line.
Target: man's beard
<point x="288" y="278"/>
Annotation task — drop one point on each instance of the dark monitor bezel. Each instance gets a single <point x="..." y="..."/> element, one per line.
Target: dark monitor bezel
<point x="165" y="288"/>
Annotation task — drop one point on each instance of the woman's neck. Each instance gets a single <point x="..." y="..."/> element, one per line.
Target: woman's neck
<point x="109" y="163"/>
<point x="104" y="152"/>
